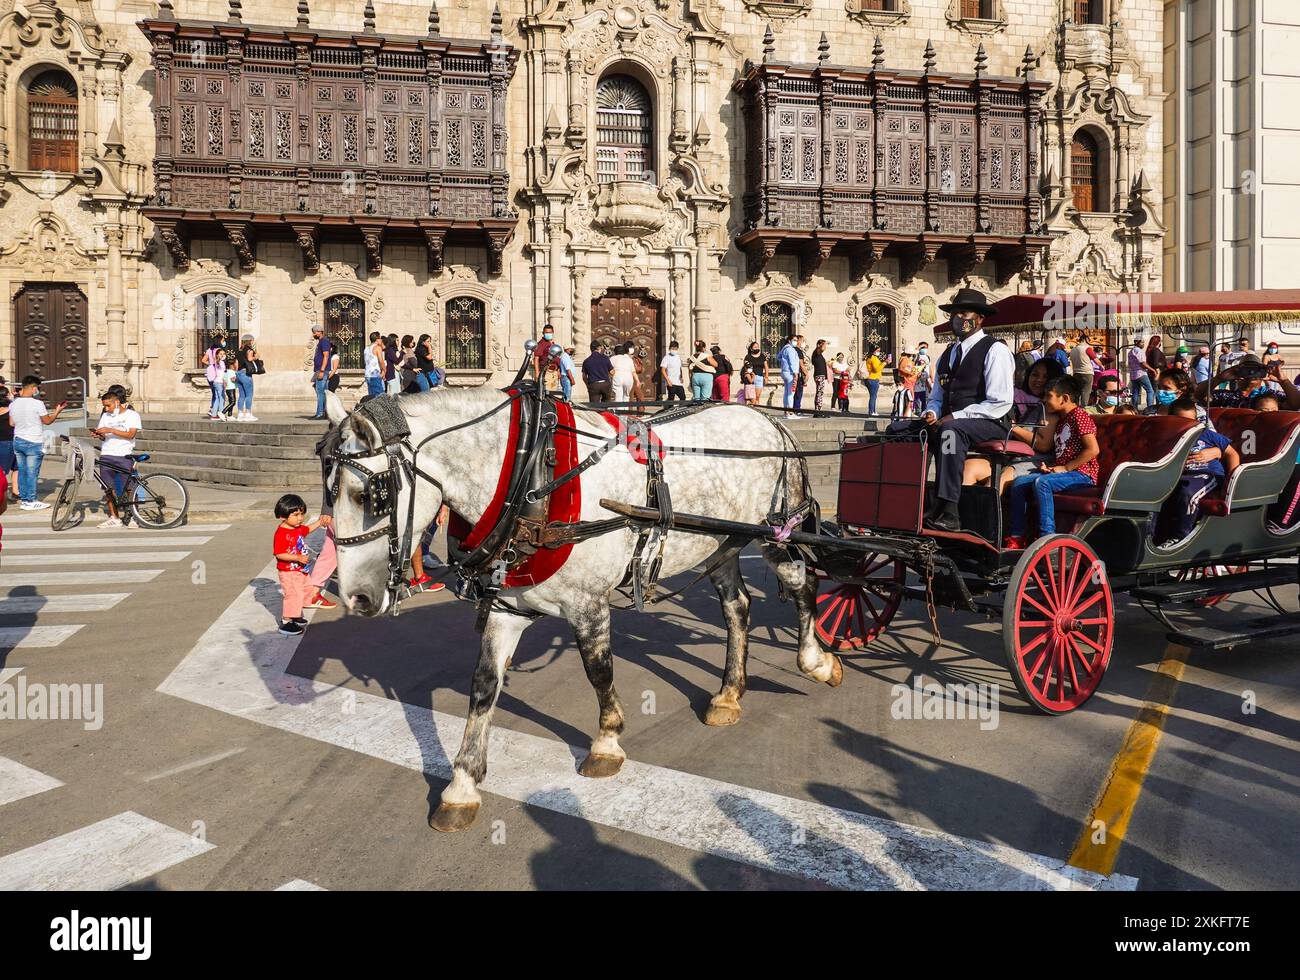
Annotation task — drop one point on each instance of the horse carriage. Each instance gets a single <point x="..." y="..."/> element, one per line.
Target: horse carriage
<point x="1056" y="599"/>
<point x="558" y="508"/>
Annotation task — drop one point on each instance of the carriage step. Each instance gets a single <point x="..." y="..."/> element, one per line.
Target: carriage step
<point x="1213" y="638"/>
<point x="1199" y="588"/>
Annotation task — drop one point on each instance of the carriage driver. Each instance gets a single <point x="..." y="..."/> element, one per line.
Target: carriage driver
<point x="969" y="403"/>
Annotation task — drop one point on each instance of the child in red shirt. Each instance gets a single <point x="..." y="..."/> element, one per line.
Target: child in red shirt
<point x="1076" y="462"/>
<point x="292" y="558"/>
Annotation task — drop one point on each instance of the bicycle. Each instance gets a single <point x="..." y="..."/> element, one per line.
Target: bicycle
<point x="158" y="501"/>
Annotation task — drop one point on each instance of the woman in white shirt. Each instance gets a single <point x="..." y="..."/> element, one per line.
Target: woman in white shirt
<point x="626" y="387"/>
<point x="118" y="426"/>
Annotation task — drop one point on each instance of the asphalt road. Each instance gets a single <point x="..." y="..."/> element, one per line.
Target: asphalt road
<point x="267" y="762"/>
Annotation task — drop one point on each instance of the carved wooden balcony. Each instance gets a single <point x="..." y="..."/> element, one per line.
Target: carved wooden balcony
<point x="880" y="161"/>
<point x="303" y="134"/>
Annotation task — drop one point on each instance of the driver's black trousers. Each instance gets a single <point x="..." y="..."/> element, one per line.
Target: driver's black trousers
<point x="949" y="444"/>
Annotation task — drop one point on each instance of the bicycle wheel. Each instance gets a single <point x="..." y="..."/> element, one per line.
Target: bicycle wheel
<point x="65" y="507"/>
<point x="159" y="501"/>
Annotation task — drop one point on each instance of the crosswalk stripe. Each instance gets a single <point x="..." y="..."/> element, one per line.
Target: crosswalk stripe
<point x="130" y="541"/>
<point x="29" y="637"/>
<point x="107" y="855"/>
<point x="19" y="605"/>
<point x="125" y="534"/>
<point x="81" y="558"/>
<point x="298" y="885"/>
<point x="125" y="576"/>
<point x="239" y="666"/>
<point x="17" y="782"/>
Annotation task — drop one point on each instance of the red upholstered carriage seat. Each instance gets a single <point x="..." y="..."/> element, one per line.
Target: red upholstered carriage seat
<point x="1124" y="439"/>
<point x="1008" y="447"/>
<point x="1272" y="430"/>
<point x="1270" y="433"/>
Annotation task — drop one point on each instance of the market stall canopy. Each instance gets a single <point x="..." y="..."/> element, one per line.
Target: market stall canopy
<point x="1154" y="311"/>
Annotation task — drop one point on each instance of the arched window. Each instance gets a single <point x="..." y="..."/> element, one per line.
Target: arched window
<point x="218" y="320"/>
<point x="345" y="326"/>
<point x="775" y="323"/>
<point x="1087" y="11"/>
<point x="52" y="122"/>
<point x="466" y="334"/>
<point x="1084" y="172"/>
<point x="623" y="130"/>
<point x="878" y="329"/>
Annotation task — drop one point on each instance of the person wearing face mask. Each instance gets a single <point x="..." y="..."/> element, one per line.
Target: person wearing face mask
<point x="1171" y="385"/>
<point x="1271" y="356"/>
<point x="970" y="401"/>
<point x="545" y="368"/>
<point x="924" y="377"/>
<point x="757" y="362"/>
<point x="1107" y="398"/>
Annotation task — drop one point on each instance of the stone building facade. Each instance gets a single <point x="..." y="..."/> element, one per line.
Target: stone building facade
<point x="644" y="170"/>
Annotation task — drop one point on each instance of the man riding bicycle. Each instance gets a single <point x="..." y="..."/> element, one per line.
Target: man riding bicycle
<point x="118" y="426"/>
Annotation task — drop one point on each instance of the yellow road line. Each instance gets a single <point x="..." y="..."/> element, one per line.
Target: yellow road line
<point x="1098" y="846"/>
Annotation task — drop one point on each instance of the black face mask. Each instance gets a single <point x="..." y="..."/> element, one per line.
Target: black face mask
<point x="961" y="327"/>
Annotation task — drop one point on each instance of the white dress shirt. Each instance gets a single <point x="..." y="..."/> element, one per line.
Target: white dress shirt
<point x="999" y="380"/>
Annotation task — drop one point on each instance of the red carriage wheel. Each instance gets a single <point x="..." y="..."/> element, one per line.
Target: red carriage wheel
<point x="1209" y="571"/>
<point x="1058" y="623"/>
<point x="850" y="615"/>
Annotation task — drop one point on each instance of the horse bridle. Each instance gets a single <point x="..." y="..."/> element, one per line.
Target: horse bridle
<point x="380" y="494"/>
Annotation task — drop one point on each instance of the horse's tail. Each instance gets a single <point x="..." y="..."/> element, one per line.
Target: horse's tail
<point x="793" y="491"/>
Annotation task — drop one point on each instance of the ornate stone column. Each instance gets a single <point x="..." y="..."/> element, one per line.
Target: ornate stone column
<point x="115" y="307"/>
<point x="703" y="235"/>
<point x="555" y="281"/>
<point x="581" y="308"/>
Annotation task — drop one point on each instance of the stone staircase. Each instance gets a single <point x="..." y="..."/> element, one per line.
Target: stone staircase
<point x="270" y="454"/>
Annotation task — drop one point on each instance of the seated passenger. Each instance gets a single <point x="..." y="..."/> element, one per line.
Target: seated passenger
<point x="1107" y="396"/>
<point x="1075" y="463"/>
<point x="1202" y="475"/>
<point x="1244" y="380"/>
<point x="1032" y="424"/>
<point x="1266" y="401"/>
<point x="1173" y="384"/>
<point x="1125" y="409"/>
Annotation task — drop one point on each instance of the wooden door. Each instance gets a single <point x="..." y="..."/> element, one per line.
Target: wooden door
<point x="52" y="338"/>
<point x="623" y="317"/>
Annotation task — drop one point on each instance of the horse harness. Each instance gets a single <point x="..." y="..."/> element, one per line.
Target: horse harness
<point x="521" y="527"/>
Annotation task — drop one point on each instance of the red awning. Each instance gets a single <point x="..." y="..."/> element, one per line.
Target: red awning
<point x="1157" y="311"/>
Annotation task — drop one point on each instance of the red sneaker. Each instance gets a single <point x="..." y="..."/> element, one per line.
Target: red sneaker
<point x="420" y="581"/>
<point x="1013" y="543"/>
<point x="320" y="602"/>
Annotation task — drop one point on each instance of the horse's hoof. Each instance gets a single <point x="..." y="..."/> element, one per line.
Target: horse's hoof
<point x="837" y="672"/>
<point x="720" y="714"/>
<point x="451" y="817"/>
<point x="600" y="766"/>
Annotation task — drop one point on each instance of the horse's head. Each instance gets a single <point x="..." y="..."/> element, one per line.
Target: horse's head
<point x="374" y="515"/>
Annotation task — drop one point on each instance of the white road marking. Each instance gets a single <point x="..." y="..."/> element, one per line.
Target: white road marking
<point x="129" y="541"/>
<point x="125" y="576"/>
<point x="110" y="854"/>
<point x="81" y="558"/>
<point x="298" y="885"/>
<point x="29" y="637"/>
<point x="18" y="782"/>
<point x="196" y="764"/>
<point x="246" y="677"/>
<point x="126" y="534"/>
<point x="23" y="604"/>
